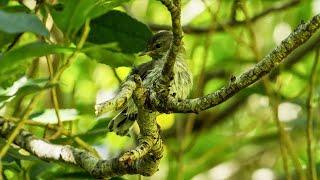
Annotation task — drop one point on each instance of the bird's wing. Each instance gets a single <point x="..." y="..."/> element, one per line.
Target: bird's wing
<point x="122" y="122"/>
<point x="142" y="69"/>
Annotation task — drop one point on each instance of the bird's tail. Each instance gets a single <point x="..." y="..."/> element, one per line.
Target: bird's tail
<point x="122" y="122"/>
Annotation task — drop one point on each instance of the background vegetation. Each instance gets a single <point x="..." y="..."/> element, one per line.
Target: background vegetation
<point x="95" y="44"/>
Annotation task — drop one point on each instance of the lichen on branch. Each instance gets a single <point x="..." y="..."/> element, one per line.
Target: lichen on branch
<point x="120" y="100"/>
<point x="145" y="158"/>
<point x="174" y="7"/>
<point x="298" y="37"/>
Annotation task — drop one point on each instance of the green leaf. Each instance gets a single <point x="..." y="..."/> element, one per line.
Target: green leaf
<point x="31" y="50"/>
<point x="5" y="38"/>
<point x="8" y="75"/>
<point x="115" y="26"/>
<point x="49" y="116"/>
<point x="74" y="12"/>
<point x="4" y="97"/>
<point x="12" y="166"/>
<point x="24" y="87"/>
<point x="109" y="57"/>
<point x="32" y="86"/>
<point x="98" y="131"/>
<point x="3" y="2"/>
<point x="17" y="22"/>
<point x="14" y="63"/>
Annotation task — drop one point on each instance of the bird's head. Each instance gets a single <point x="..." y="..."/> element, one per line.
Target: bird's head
<point x="158" y="45"/>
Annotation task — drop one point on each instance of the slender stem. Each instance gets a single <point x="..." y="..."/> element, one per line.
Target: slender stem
<point x="180" y="138"/>
<point x="54" y="96"/>
<point x="19" y="126"/>
<point x="1" y="170"/>
<point x="281" y="132"/>
<point x="80" y="44"/>
<point x="309" y="130"/>
<point x="116" y="74"/>
<point x="231" y="23"/>
<point x="285" y="141"/>
<point x="201" y="78"/>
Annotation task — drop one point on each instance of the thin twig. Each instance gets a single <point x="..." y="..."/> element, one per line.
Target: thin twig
<point x="201" y="78"/>
<point x="19" y="126"/>
<point x="116" y="74"/>
<point x="69" y="59"/>
<point x="54" y="96"/>
<point x="33" y="101"/>
<point x="284" y="136"/>
<point x="309" y="130"/>
<point x="219" y="28"/>
<point x="269" y="91"/>
<point x="300" y="35"/>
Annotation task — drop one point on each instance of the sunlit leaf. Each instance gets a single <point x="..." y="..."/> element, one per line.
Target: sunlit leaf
<point x="98" y="131"/>
<point x="11" y="74"/>
<point x="15" y="62"/>
<point x="23" y="87"/>
<point x="30" y="50"/>
<point x="32" y="86"/>
<point x="49" y="116"/>
<point x="4" y="97"/>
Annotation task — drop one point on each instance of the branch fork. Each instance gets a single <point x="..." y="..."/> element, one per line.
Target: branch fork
<point x="145" y="158"/>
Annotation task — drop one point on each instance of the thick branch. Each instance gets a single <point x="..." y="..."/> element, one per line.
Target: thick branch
<point x="231" y="23"/>
<point x="144" y="159"/>
<point x="146" y="166"/>
<point x="300" y="35"/>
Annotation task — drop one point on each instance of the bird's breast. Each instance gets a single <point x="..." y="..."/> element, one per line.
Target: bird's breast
<point x="180" y="85"/>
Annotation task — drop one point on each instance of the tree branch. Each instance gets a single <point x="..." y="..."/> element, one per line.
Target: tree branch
<point x="174" y="7"/>
<point x="120" y="100"/>
<point x="146" y="164"/>
<point x="300" y="35"/>
<point x="231" y="23"/>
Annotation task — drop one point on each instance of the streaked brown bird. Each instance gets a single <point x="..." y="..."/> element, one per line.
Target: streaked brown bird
<point x="157" y="47"/>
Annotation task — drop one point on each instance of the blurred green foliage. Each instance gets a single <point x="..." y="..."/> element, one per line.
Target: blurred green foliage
<point x="237" y="138"/>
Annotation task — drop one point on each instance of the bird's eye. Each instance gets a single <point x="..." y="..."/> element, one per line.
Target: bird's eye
<point x="158" y="46"/>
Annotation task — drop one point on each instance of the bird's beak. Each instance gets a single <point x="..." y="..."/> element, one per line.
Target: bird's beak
<point x="145" y="53"/>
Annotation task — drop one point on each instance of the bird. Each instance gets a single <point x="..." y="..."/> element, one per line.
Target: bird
<point x="158" y="47"/>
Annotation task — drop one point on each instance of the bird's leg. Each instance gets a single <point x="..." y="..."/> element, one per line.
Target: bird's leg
<point x="119" y="100"/>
